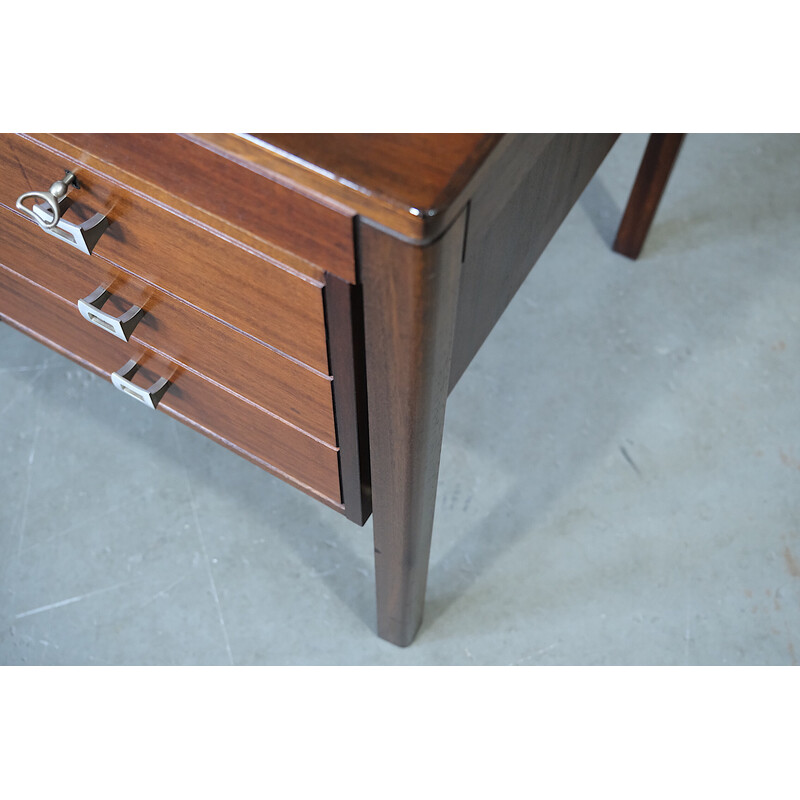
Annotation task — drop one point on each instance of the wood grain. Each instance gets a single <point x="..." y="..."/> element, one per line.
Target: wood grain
<point x="413" y="183"/>
<point x="651" y="181"/>
<point x="315" y="229"/>
<point x="410" y="170"/>
<point x="512" y="218"/>
<point x="410" y="301"/>
<point x="280" y="448"/>
<point x="192" y="262"/>
<point x="179" y="332"/>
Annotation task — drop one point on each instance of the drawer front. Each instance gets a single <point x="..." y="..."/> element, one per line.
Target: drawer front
<point x="178" y="255"/>
<point x="311" y="229"/>
<point x="280" y="448"/>
<point x="186" y="336"/>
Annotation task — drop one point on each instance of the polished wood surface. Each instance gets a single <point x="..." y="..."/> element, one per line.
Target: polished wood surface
<point x="413" y="183"/>
<point x="425" y="171"/>
<point x="218" y="276"/>
<point x="410" y="302"/>
<point x="278" y="447"/>
<point x="651" y="181"/>
<point x="315" y="229"/>
<point x="285" y="388"/>
<point x="512" y="217"/>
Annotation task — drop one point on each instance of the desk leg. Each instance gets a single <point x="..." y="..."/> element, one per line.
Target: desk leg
<point x="651" y="180"/>
<point x="410" y="301"/>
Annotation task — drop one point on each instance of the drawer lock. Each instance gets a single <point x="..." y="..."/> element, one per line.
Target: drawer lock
<point x="48" y="215"/>
<point x="121" y="326"/>
<point x="150" y="397"/>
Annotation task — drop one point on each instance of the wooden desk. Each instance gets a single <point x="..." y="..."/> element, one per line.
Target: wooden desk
<point x="306" y="300"/>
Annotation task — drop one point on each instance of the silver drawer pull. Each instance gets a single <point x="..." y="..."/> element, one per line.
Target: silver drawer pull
<point x="53" y="197"/>
<point x="150" y="397"/>
<point x="48" y="216"/>
<point x="121" y="326"/>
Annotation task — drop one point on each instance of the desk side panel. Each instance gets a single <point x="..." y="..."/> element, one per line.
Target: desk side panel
<point x="511" y="221"/>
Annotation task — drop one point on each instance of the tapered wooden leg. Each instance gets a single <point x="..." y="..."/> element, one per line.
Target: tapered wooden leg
<point x="410" y="301"/>
<point x="651" y="180"/>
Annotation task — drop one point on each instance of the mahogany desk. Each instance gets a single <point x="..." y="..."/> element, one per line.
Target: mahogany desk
<point x="306" y="300"/>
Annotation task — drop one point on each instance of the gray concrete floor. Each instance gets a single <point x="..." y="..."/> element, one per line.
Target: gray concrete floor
<point x="620" y="479"/>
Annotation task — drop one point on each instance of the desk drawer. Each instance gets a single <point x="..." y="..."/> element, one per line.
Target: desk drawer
<point x="279" y="448"/>
<point x="184" y="335"/>
<point x="179" y="255"/>
<point x="317" y="232"/>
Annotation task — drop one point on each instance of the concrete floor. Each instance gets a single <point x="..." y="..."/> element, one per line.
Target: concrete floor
<point x="620" y="479"/>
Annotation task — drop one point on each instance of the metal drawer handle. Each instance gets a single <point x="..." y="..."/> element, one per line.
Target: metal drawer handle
<point x="48" y="215"/>
<point x="121" y="326"/>
<point x="150" y="397"/>
<point x="53" y="197"/>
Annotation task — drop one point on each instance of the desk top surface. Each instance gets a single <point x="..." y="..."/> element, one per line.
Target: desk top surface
<point x="412" y="184"/>
<point x="420" y="173"/>
<point x="407" y="182"/>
